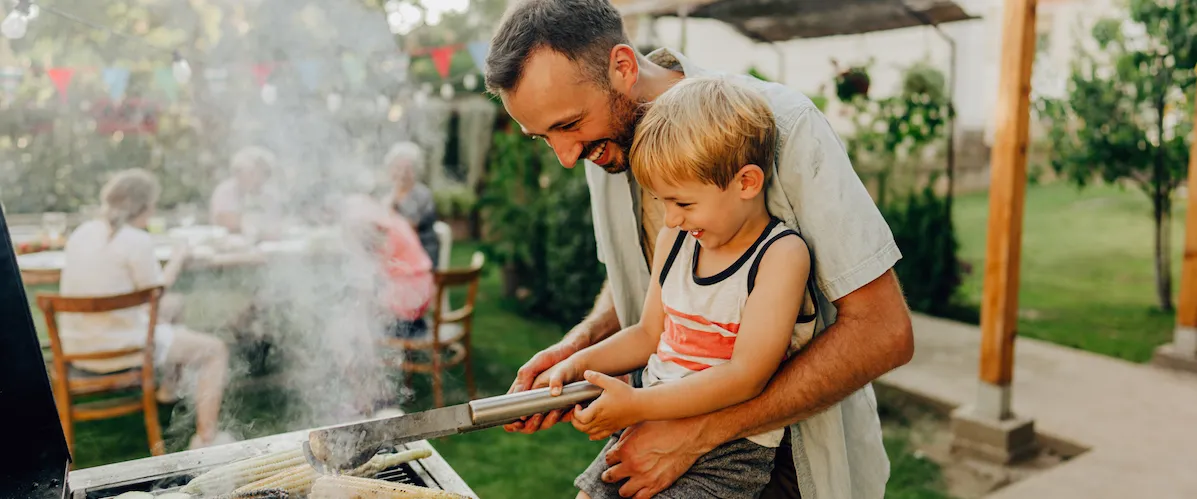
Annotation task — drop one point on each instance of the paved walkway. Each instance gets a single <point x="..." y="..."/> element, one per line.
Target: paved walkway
<point x="1139" y="422"/>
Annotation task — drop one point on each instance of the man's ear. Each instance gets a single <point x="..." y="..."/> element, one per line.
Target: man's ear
<point x="751" y="179"/>
<point x="624" y="68"/>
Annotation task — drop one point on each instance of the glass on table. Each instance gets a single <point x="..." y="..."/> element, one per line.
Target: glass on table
<point x="187" y="213"/>
<point x="55" y="225"/>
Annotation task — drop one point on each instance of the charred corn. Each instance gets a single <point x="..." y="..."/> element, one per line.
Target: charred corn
<point x="226" y="478"/>
<point x="352" y="487"/>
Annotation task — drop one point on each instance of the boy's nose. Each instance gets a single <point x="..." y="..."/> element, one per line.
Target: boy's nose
<point x="673" y="218"/>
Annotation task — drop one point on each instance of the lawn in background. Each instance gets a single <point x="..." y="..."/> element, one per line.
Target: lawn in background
<point x="1087" y="267"/>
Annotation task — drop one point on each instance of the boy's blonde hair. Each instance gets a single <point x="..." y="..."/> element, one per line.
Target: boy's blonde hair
<point x="703" y="129"/>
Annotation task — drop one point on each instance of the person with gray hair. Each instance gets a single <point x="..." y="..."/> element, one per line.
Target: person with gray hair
<point x="245" y="191"/>
<point x="409" y="197"/>
<point x="114" y="255"/>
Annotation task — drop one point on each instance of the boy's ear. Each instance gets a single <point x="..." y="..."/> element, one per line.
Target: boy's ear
<point x="751" y="179"/>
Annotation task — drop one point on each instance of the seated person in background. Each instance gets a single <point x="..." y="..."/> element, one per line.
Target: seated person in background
<point x="409" y="197"/>
<point x="245" y="194"/>
<point x="114" y="255"/>
<point x="406" y="288"/>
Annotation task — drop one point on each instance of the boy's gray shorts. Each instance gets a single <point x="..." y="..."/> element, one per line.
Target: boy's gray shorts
<point x="734" y="470"/>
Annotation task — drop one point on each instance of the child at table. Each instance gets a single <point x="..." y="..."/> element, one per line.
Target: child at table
<point x="727" y="302"/>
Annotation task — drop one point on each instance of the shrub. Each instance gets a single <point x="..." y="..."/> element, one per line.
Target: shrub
<point x="929" y="271"/>
<point x="539" y="230"/>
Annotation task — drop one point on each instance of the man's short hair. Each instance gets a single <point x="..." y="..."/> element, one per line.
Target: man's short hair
<point x="703" y="129"/>
<point x="584" y="31"/>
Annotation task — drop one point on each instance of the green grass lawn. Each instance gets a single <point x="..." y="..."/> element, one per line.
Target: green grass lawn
<point x="496" y="464"/>
<point x="1087" y="267"/>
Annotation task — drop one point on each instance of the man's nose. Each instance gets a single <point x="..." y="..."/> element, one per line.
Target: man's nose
<point x="568" y="153"/>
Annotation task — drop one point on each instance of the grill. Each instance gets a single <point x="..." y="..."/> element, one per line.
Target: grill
<point x="172" y="471"/>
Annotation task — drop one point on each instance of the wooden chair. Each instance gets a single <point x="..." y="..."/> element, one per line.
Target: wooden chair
<point x="69" y="382"/>
<point x="447" y="342"/>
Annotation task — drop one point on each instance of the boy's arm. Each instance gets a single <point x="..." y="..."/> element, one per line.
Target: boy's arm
<point x="765" y="330"/>
<point x="630" y="348"/>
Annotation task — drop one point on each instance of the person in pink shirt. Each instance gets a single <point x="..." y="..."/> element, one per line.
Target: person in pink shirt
<point x="406" y="287"/>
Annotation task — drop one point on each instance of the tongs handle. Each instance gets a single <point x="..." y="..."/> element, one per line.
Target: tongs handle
<point x="503" y="409"/>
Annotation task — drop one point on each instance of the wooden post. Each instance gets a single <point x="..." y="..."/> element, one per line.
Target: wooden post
<point x="988" y="430"/>
<point x="1008" y="164"/>
<point x="1182" y="352"/>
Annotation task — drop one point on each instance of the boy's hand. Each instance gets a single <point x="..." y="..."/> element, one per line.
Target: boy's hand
<point x="567" y="371"/>
<point x="617" y="408"/>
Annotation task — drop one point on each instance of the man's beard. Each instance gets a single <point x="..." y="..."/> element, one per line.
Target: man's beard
<point x="625" y="115"/>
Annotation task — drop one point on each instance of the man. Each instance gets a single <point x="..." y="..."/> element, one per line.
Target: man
<point x="565" y="71"/>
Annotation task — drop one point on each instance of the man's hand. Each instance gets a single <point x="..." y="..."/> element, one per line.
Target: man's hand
<point x="533" y="375"/>
<point x="617" y="408"/>
<point x="654" y="454"/>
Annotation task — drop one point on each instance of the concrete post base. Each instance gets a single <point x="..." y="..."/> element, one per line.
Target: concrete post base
<point x="1170" y="357"/>
<point x="998" y="441"/>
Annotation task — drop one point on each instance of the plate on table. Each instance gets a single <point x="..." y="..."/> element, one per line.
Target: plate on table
<point x="42" y="261"/>
<point x="198" y="234"/>
<point x="162" y="252"/>
<point x="283" y="246"/>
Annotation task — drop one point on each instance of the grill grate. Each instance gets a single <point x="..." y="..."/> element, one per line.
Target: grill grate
<point x="404" y="473"/>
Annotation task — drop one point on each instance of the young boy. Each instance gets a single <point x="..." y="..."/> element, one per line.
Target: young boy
<point x="727" y="302"/>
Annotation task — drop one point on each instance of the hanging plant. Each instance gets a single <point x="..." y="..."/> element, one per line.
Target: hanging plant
<point x="852" y="83"/>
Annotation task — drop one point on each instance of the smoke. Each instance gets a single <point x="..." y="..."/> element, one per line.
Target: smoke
<point x="320" y="311"/>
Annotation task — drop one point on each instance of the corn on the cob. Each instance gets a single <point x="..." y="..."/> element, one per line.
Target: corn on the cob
<point x="296" y="480"/>
<point x="226" y="478"/>
<point x="351" y="487"/>
<point x="299" y="479"/>
<point x="258" y="494"/>
<point x="384" y="461"/>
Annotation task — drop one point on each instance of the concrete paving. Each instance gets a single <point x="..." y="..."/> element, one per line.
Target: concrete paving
<point x="1138" y="421"/>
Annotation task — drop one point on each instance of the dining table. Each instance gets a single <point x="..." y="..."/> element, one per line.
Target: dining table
<point x="212" y="247"/>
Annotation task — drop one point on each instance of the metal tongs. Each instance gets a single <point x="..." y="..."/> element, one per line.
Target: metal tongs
<point x="337" y="448"/>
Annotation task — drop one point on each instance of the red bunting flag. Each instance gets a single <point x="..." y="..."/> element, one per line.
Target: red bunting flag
<point x="62" y="80"/>
<point x="262" y="72"/>
<point x="442" y="57"/>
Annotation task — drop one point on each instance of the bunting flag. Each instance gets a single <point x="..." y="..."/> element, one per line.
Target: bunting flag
<point x="164" y="78"/>
<point x="62" y="81"/>
<point x="262" y="72"/>
<point x="117" y="80"/>
<point x="354" y="68"/>
<point x="309" y="73"/>
<point x="478" y="51"/>
<point x="217" y="78"/>
<point x="442" y="57"/>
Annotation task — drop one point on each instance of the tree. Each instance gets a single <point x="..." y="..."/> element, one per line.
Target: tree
<point x="1126" y="117"/>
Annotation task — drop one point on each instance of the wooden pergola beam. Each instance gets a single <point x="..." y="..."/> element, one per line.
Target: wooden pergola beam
<point x="988" y="429"/>
<point x="1008" y="163"/>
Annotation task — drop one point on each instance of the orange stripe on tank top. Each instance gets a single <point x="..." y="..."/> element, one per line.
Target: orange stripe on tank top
<point x="695" y="343"/>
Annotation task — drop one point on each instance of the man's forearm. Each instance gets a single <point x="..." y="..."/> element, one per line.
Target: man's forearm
<point x="601" y="323"/>
<point x="857" y="349"/>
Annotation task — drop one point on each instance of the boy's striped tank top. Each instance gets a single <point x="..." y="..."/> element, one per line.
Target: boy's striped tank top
<point x="703" y="314"/>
